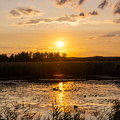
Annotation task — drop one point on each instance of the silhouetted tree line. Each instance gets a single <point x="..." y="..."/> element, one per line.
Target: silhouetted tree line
<point x="33" y="57"/>
<point x="50" y="56"/>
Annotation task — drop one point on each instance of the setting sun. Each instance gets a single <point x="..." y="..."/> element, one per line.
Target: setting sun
<point x="60" y="44"/>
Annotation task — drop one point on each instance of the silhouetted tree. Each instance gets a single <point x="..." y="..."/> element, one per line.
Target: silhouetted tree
<point x="57" y="56"/>
<point x="51" y="56"/>
<point x="37" y="56"/>
<point x="64" y="55"/>
<point x="23" y="57"/>
<point x="3" y="58"/>
<point x="12" y="58"/>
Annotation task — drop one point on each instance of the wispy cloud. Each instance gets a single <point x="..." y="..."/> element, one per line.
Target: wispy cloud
<point x="94" y="13"/>
<point x="77" y="3"/>
<point x="28" y="11"/>
<point x="62" y="2"/>
<point x="85" y="15"/>
<point x="108" y="35"/>
<point x="73" y="2"/>
<point x="114" y="34"/>
<point x="117" y="21"/>
<point x="15" y="13"/>
<point x="81" y="2"/>
<point x="35" y="21"/>
<point x="82" y="14"/>
<point x="91" y="38"/>
<point x="73" y="18"/>
<point x="117" y="8"/>
<point x="24" y="11"/>
<point x="103" y="4"/>
<point x="66" y="18"/>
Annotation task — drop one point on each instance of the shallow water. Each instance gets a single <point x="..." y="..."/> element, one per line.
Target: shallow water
<point x="88" y="96"/>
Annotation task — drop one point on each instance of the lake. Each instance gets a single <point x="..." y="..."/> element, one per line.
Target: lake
<point x="89" y="97"/>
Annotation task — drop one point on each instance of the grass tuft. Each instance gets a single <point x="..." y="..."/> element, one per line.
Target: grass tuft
<point x="24" y="112"/>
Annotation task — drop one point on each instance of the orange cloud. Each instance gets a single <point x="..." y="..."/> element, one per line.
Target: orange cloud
<point x="24" y="11"/>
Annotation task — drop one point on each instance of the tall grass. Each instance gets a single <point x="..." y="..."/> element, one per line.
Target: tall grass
<point x="48" y="69"/>
<point x="24" y="112"/>
<point x="18" y="112"/>
<point x="115" y="112"/>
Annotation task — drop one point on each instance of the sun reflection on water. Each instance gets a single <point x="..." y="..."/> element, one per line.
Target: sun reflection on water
<point x="60" y="99"/>
<point x="61" y="86"/>
<point x="62" y="93"/>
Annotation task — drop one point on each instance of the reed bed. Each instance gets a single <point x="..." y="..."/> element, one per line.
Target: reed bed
<point x="24" y="112"/>
<point x="43" y="70"/>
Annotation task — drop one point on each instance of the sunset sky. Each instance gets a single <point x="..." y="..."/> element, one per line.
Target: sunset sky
<point x="86" y="27"/>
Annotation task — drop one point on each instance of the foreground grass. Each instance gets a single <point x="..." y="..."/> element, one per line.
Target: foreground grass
<point x="24" y="112"/>
<point x="115" y="112"/>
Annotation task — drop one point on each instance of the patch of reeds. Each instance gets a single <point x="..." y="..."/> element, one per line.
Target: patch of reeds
<point x="115" y="111"/>
<point x="24" y="112"/>
<point x="47" y="70"/>
<point x="18" y="112"/>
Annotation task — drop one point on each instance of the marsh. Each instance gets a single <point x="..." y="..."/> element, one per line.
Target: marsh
<point x="87" y="97"/>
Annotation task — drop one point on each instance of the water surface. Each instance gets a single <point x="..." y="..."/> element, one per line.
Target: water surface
<point x="87" y="96"/>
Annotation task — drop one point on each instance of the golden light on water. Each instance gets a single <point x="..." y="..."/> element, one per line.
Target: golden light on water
<point x="61" y="86"/>
<point x="61" y="96"/>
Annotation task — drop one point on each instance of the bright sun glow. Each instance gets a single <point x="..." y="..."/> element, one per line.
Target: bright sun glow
<point x="60" y="44"/>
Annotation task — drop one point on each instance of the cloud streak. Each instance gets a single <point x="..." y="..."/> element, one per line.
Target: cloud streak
<point x="66" y="18"/>
<point x="103" y="4"/>
<point x="24" y="11"/>
<point x="115" y="34"/>
<point x="36" y="21"/>
<point x="81" y="2"/>
<point x="116" y="21"/>
<point x="62" y="2"/>
<point x="62" y="19"/>
<point x="15" y="13"/>
<point x="73" y="2"/>
<point x="109" y="35"/>
<point x="94" y="13"/>
<point x="117" y="8"/>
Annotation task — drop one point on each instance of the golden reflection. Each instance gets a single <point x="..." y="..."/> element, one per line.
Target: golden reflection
<point x="62" y="93"/>
<point x="61" y="86"/>
<point x="61" y="96"/>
